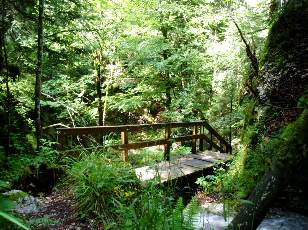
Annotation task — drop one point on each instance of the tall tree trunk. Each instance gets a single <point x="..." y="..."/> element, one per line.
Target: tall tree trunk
<point x="4" y="65"/>
<point x="168" y="93"/>
<point x="165" y="74"/>
<point x="99" y="94"/>
<point x="166" y="77"/>
<point x="38" y="82"/>
<point x="105" y="103"/>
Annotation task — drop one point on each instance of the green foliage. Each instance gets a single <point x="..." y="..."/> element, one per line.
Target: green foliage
<point x="41" y="222"/>
<point x="152" y="155"/>
<point x="145" y="156"/>
<point x="154" y="209"/>
<point x="252" y="161"/>
<point x="99" y="184"/>
<point x="110" y="192"/>
<point x="4" y="216"/>
<point x="19" y="166"/>
<point x="16" y="196"/>
<point x="207" y="183"/>
<point x="303" y="101"/>
<point x="291" y="142"/>
<point x="7" y="219"/>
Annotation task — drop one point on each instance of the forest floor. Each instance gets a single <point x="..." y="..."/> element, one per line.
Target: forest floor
<point x="57" y="212"/>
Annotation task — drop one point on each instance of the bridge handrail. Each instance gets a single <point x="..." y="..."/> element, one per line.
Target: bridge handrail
<point x="222" y="146"/>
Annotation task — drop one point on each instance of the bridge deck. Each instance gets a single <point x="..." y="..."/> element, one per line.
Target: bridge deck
<point x="183" y="166"/>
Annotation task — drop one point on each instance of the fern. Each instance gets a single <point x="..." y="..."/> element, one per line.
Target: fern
<point x="177" y="216"/>
<point x="191" y="210"/>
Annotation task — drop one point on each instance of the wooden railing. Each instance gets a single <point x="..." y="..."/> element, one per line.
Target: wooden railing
<point x="198" y="132"/>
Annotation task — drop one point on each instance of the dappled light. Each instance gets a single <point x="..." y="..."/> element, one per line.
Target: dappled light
<point x="153" y="114"/>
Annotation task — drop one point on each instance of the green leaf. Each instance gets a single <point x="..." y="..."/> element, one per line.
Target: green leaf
<point x="246" y="202"/>
<point x="14" y="220"/>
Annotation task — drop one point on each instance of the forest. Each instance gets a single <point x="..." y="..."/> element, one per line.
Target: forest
<point x="95" y="94"/>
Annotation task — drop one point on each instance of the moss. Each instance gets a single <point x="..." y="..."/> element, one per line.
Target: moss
<point x="15" y="195"/>
<point x="288" y="146"/>
<point x="285" y="34"/>
<point x="291" y="144"/>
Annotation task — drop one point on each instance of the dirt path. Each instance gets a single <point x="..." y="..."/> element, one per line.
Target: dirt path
<point x="58" y="212"/>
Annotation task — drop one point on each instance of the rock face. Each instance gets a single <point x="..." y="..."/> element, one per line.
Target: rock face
<point x="28" y="204"/>
<point x="284" y="221"/>
<point x="25" y="204"/>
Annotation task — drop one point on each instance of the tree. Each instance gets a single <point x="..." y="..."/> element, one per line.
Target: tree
<point x="38" y="82"/>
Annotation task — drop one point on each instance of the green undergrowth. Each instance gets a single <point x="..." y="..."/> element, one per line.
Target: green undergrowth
<point x="152" y="155"/>
<point x="24" y="164"/>
<point x="98" y="183"/>
<point x="9" y="220"/>
<point x="109" y="192"/>
<point x="254" y="158"/>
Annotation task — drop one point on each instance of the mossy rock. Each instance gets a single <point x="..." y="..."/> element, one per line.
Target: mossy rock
<point x="15" y="195"/>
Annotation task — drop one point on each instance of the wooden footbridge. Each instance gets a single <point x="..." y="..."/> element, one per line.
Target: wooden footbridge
<point x="212" y="147"/>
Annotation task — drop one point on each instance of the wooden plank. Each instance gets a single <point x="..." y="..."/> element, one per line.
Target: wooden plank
<point x="149" y="172"/>
<point x="61" y="141"/>
<point x="187" y="138"/>
<point x="102" y="130"/>
<point x="180" y="167"/>
<point x="142" y="144"/>
<point x="196" y="163"/>
<point x="215" y="133"/>
<point x="212" y="144"/>
<point x="211" y="156"/>
<point x="120" y="128"/>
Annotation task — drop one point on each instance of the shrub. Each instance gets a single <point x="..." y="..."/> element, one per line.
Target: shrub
<point x="99" y="184"/>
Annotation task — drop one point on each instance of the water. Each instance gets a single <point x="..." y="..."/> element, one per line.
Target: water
<point x="283" y="220"/>
<point x="212" y="216"/>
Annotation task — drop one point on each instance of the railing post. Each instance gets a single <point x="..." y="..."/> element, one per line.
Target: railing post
<point x="211" y="138"/>
<point x="193" y="141"/>
<point x="223" y="146"/>
<point x="61" y="141"/>
<point x="167" y="145"/>
<point x="201" y="140"/>
<point x="124" y="139"/>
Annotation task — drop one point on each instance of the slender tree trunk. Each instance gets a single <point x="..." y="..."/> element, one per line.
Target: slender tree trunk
<point x="166" y="77"/>
<point x="168" y="93"/>
<point x="105" y="104"/>
<point x="165" y="74"/>
<point x="99" y="94"/>
<point x="8" y="100"/>
<point x="4" y="65"/>
<point x="38" y="82"/>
